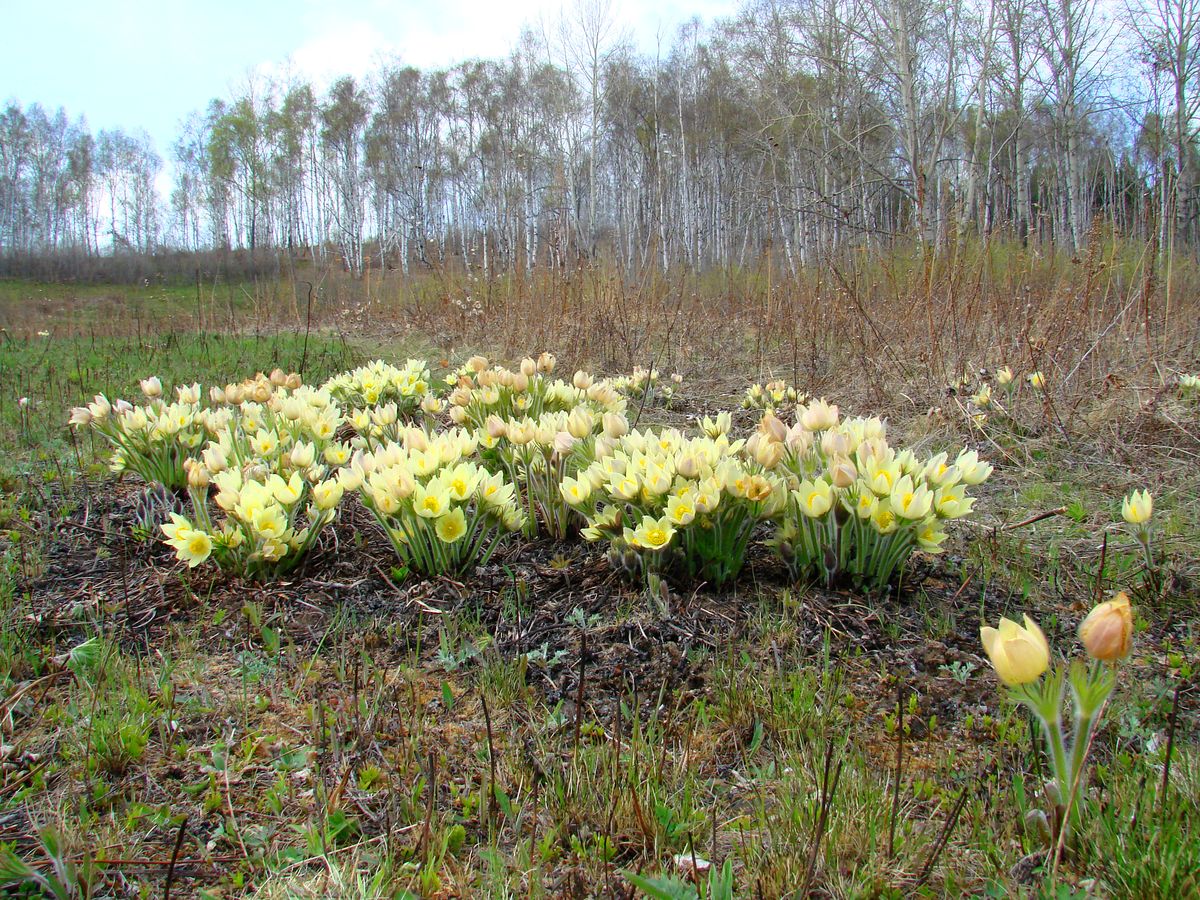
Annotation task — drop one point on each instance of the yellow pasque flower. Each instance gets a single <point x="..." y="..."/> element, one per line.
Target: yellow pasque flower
<point x="1019" y="655"/>
<point x="195" y="549"/>
<point x="930" y="537"/>
<point x="681" y="510"/>
<point x="652" y="533"/>
<point x="430" y="501"/>
<point x="883" y="518"/>
<point x="452" y="526"/>
<point x="327" y="494"/>
<point x="952" y="503"/>
<point x="1107" y="631"/>
<point x="911" y="502"/>
<point x="1037" y="381"/>
<point x="815" y="497"/>
<point x="575" y="490"/>
<point x="971" y="469"/>
<point x="462" y="481"/>
<point x="1137" y="508"/>
<point x="1004" y="376"/>
<point x="864" y="506"/>
<point x="714" y="428"/>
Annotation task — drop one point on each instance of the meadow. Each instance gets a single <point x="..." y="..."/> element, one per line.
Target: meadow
<point x="348" y="715"/>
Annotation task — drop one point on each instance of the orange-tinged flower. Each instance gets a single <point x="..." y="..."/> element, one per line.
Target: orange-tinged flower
<point x="1107" y="632"/>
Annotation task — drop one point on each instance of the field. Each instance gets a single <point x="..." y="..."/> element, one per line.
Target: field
<point x="542" y="726"/>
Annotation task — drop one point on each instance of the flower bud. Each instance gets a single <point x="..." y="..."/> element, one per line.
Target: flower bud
<point x="496" y="427"/>
<point x="799" y="439"/>
<point x="261" y="392"/>
<point x="546" y="362"/>
<point x="615" y="425"/>
<point x="197" y="475"/>
<point x="580" y="422"/>
<point x="528" y="367"/>
<point x="1004" y="376"/>
<point x="768" y="453"/>
<point x="842" y="473"/>
<point x="1107" y="631"/>
<point x="563" y="442"/>
<point x="772" y="427"/>
<point x="819" y="415"/>
<point x="80" y="417"/>
<point x="152" y="387"/>
<point x="458" y="415"/>
<point x="687" y="466"/>
<point x="293" y="382"/>
<point x="477" y="364"/>
<point x="1019" y="655"/>
<point x="520" y="381"/>
<point x="835" y="444"/>
<point x="278" y="377"/>
<point x="582" y="380"/>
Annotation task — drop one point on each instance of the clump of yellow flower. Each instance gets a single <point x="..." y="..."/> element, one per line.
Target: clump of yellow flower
<point x="443" y="513"/>
<point x="857" y="508"/>
<point x="775" y="395"/>
<point x="539" y="455"/>
<point x="153" y="440"/>
<point x="272" y="467"/>
<point x="670" y="504"/>
<point x="645" y="387"/>
<point x="481" y="392"/>
<point x="379" y="383"/>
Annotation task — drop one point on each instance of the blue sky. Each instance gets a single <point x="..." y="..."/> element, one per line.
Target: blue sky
<point x="141" y="64"/>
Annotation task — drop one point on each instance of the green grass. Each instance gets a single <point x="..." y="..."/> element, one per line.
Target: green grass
<point x="54" y="374"/>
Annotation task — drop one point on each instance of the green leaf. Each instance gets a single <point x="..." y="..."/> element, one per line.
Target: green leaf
<point x="85" y="658"/>
<point x="662" y="887"/>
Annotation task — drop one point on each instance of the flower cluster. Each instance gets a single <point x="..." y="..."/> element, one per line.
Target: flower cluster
<point x="671" y="504"/>
<point x="643" y="386"/>
<point x="482" y="392"/>
<point x="443" y="513"/>
<point x="154" y="440"/>
<point x="857" y="508"/>
<point x="774" y="395"/>
<point x="274" y="466"/>
<point x="380" y="383"/>
<point x="267" y="463"/>
<point x="1189" y="388"/>
<point x="538" y="455"/>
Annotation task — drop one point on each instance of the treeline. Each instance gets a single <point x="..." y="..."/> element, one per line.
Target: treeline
<point x="797" y="128"/>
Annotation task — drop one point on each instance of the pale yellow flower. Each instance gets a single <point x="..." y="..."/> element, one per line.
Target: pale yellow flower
<point x="1019" y="655"/>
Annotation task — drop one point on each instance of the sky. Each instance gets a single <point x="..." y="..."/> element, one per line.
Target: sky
<point x="146" y="64"/>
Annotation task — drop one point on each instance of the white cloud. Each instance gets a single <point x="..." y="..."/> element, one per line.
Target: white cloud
<point x="345" y="39"/>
